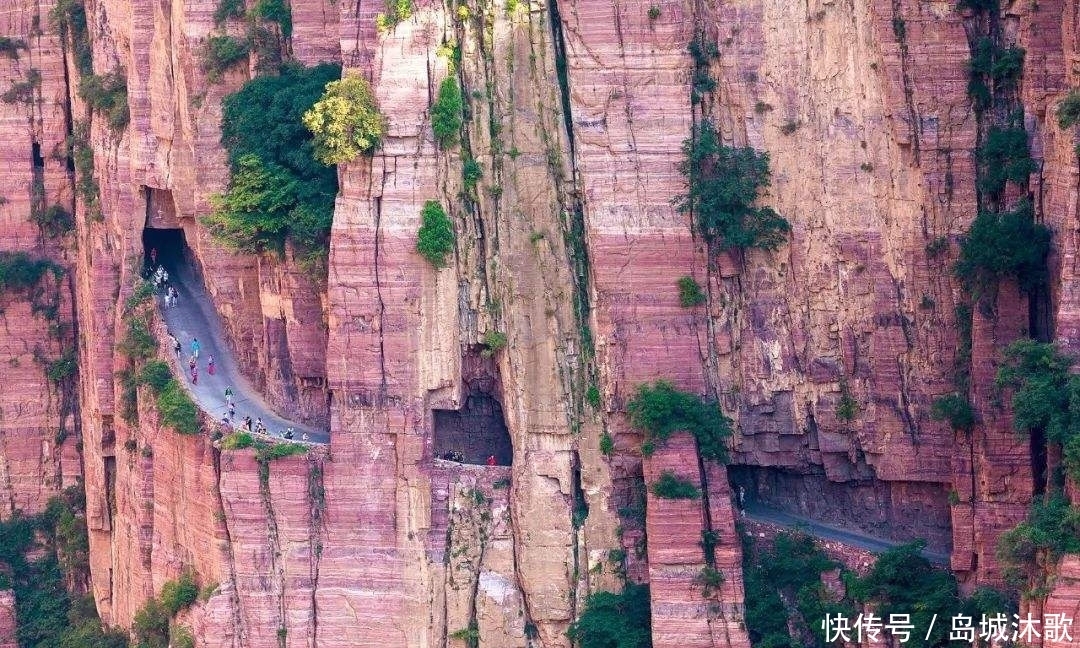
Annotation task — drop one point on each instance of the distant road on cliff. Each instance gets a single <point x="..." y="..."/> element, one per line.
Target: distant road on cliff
<point x="828" y="532"/>
<point x="194" y="317"/>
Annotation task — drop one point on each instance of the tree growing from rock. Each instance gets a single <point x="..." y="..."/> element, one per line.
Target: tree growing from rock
<point x="346" y="121"/>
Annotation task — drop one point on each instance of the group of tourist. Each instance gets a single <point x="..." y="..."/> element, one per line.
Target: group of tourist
<point x="457" y="457"/>
<point x="160" y="278"/>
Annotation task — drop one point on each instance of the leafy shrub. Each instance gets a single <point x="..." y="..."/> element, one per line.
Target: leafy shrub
<point x="277" y="11"/>
<point x="220" y="53"/>
<point x="281" y="450"/>
<point x="471" y="172"/>
<point x="138" y="342"/>
<point x="396" y="12"/>
<point x="53" y="221"/>
<point x="69" y="17"/>
<point x="659" y="410"/>
<point x="789" y="570"/>
<point x="346" y="121"/>
<point x="106" y="94"/>
<point x="238" y="441"/>
<point x="446" y="115"/>
<point x="10" y="47"/>
<point x="179" y="594"/>
<point x="992" y="66"/>
<point x="1004" y="245"/>
<point x="129" y="398"/>
<point x="690" y="293"/>
<point x="654" y="12"/>
<point x="83" y="156"/>
<point x="227" y="9"/>
<point x="157" y="375"/>
<point x="494" y="341"/>
<point x="723" y="182"/>
<point x="1004" y="157"/>
<point x="277" y="189"/>
<point x="23" y="91"/>
<point x="151" y="625"/>
<point x="956" y="409"/>
<point x="181" y="637"/>
<point x="177" y="409"/>
<point x="435" y="240"/>
<point x="61" y="368"/>
<point x="592" y="396"/>
<point x="903" y="582"/>
<point x="607" y="444"/>
<point x="1068" y="112"/>
<point x="671" y="486"/>
<point x="19" y="271"/>
<point x="143" y="294"/>
<point x="611" y="620"/>
<point x="847" y="408"/>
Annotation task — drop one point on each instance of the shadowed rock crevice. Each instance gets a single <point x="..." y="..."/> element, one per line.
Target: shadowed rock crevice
<point x="478" y="429"/>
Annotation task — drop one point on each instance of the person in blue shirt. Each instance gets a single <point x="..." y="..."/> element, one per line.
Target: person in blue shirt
<point x="195" y="347"/>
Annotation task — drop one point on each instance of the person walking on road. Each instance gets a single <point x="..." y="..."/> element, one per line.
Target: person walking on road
<point x="176" y="347"/>
<point x="232" y="410"/>
<point x="228" y="395"/>
<point x="210" y="365"/>
<point x="194" y="375"/>
<point x="153" y="256"/>
<point x="195" y="346"/>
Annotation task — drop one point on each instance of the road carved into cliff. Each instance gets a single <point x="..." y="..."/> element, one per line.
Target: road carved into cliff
<point x="828" y="532"/>
<point x="193" y="317"/>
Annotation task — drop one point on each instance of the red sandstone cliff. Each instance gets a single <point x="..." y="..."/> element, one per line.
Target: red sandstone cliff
<point x="375" y="534"/>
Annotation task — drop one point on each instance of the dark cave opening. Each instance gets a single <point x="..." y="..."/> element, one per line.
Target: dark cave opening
<point x="478" y="429"/>
<point x="168" y="246"/>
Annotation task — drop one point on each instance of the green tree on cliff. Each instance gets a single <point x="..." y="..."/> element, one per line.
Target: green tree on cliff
<point x="723" y="183"/>
<point x="346" y="121"/>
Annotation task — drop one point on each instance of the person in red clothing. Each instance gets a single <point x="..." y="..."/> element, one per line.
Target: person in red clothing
<point x="491" y="460"/>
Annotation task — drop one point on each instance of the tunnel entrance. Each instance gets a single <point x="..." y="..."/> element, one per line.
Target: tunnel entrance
<point x="478" y="430"/>
<point x="899" y="511"/>
<point x="170" y="247"/>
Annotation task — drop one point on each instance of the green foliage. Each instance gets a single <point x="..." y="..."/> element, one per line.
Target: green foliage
<point x="138" y="342"/>
<point x="470" y="635"/>
<point x="179" y="594"/>
<point x="592" y="396"/>
<point x="10" y="47"/>
<point x="237" y="441"/>
<point x="227" y="9"/>
<point x="280" y="451"/>
<point x="607" y="444"/>
<point x="659" y="410"/>
<point x="471" y="172"/>
<point x="62" y="368"/>
<point x="53" y="221"/>
<point x="671" y="486"/>
<point x="47" y="615"/>
<point x="23" y="91"/>
<point x="992" y="69"/>
<point x="177" y="410"/>
<point x="1051" y="528"/>
<point x="654" y="12"/>
<point x="494" y="341"/>
<point x="69" y="18"/>
<point x="277" y="189"/>
<point x="106" y="94"/>
<point x="1004" y="245"/>
<point x="83" y="156"/>
<point x="903" y="582"/>
<point x="151" y="625"/>
<point x="709" y="579"/>
<point x="611" y="620"/>
<point x="690" y="293"/>
<point x="789" y="570"/>
<point x="181" y="637"/>
<point x="19" y="271"/>
<point x="129" y="397"/>
<point x="156" y="374"/>
<point x="703" y="51"/>
<point x="1004" y="157"/>
<point x="847" y="408"/>
<point x="143" y="294"/>
<point x="956" y="409"/>
<point x="435" y="239"/>
<point x="346" y="121"/>
<point x="277" y="11"/>
<point x="1068" y="111"/>
<point x="396" y="12"/>
<point x="723" y="183"/>
<point x="446" y="112"/>
<point x="219" y="53"/>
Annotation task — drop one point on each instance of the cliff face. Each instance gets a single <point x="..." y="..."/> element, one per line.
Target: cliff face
<point x="827" y="352"/>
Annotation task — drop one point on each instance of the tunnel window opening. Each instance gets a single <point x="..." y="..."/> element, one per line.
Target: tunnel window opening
<point x="167" y="246"/>
<point x="39" y="161"/>
<point x="476" y="433"/>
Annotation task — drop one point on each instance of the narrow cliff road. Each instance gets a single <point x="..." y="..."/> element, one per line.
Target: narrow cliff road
<point x="837" y="534"/>
<point x="193" y="317"/>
